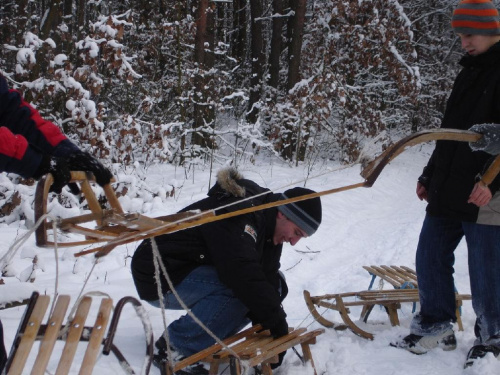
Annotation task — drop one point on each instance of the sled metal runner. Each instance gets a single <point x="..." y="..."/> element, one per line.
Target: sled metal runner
<point x="115" y="227"/>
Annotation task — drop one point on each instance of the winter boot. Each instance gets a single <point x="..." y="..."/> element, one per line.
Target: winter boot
<point x="422" y="344"/>
<point x="161" y="360"/>
<point x="479" y="351"/>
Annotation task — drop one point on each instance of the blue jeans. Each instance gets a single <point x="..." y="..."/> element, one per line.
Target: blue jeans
<point x="434" y="262"/>
<point x="212" y="302"/>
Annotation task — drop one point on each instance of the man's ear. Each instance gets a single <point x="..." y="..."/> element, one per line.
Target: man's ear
<point x="280" y="215"/>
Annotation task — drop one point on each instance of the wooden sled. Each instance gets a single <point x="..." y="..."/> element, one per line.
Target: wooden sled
<point x="254" y="346"/>
<point x="110" y="222"/>
<point x="73" y="333"/>
<point x="391" y="300"/>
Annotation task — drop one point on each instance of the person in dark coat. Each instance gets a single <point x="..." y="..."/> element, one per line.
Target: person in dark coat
<point x="227" y="272"/>
<point x="458" y="204"/>
<point x="31" y="147"/>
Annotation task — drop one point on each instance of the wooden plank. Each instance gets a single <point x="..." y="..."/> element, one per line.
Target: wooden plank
<point x="50" y="336"/>
<point x="92" y="201"/>
<point x="408" y="273"/>
<point x="112" y="199"/>
<point x="134" y="221"/>
<point x="250" y="342"/>
<point x="92" y="233"/>
<point x="285" y="343"/>
<point x="272" y="348"/>
<point x="73" y="337"/>
<point x="94" y="345"/>
<point x="41" y="194"/>
<point x="380" y="273"/>
<point x="395" y="274"/>
<point x="29" y="335"/>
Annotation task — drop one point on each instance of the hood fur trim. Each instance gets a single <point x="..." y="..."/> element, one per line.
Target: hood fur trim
<point x="227" y="179"/>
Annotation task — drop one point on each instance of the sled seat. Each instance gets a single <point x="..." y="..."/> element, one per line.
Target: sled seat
<point x="253" y="346"/>
<point x="402" y="278"/>
<point x="72" y="333"/>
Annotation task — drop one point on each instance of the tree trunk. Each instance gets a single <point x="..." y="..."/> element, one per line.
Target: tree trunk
<point x="258" y="60"/>
<point x="274" y="56"/>
<point x="51" y="19"/>
<point x="295" y="43"/>
<point x="239" y="30"/>
<point x="203" y="115"/>
<point x="80" y="23"/>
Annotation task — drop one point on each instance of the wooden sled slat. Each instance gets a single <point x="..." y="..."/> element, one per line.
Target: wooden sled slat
<point x="96" y="337"/>
<point x="29" y="335"/>
<point x="50" y="336"/>
<point x="75" y="334"/>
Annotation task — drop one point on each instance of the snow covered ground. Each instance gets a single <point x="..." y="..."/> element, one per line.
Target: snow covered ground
<point x="379" y="225"/>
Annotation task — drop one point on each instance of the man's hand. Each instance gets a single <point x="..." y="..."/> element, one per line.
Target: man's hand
<point x="278" y="330"/>
<point x="421" y="191"/>
<point x="83" y="161"/>
<point x="481" y="195"/>
<point x="490" y="141"/>
<point x="59" y="169"/>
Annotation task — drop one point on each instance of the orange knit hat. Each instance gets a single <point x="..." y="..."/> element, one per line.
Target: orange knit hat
<point x="476" y="17"/>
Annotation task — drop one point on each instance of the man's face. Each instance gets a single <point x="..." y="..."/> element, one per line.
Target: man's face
<point x="286" y="231"/>
<point x="477" y="44"/>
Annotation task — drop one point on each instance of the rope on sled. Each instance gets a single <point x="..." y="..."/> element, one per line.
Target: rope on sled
<point x="160" y="266"/>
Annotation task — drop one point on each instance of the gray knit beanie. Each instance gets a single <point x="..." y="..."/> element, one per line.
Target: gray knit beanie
<point x="305" y="214"/>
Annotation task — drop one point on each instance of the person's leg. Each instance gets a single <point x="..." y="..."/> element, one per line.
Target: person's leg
<point x="434" y="265"/>
<point x="483" y="242"/>
<point x="212" y="302"/>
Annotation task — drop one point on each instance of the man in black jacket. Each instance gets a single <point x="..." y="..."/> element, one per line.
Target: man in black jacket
<point x="458" y="205"/>
<point x="227" y="272"/>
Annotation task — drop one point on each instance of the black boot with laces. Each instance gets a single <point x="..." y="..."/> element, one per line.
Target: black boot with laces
<point x="480" y="351"/>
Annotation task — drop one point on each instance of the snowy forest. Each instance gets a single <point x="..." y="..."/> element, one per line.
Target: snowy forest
<point x="203" y="82"/>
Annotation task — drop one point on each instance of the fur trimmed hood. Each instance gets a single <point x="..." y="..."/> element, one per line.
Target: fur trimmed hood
<point x="227" y="179"/>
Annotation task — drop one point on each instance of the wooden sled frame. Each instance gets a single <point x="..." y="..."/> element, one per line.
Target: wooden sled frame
<point x="110" y="222"/>
<point x="255" y="346"/>
<point x="391" y="300"/>
<point x="402" y="278"/>
<point x="31" y="329"/>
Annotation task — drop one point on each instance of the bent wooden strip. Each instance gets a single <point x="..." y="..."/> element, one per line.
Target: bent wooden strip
<point x="95" y="341"/>
<point x="50" y="337"/>
<point x="29" y="335"/>
<point x="74" y="334"/>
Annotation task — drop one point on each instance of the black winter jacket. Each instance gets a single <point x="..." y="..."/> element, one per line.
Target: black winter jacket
<point x="453" y="168"/>
<point x="240" y="248"/>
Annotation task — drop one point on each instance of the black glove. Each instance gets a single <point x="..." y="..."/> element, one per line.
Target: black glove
<point x="278" y="330"/>
<point x="490" y="141"/>
<point x="59" y="169"/>
<point x="83" y="161"/>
